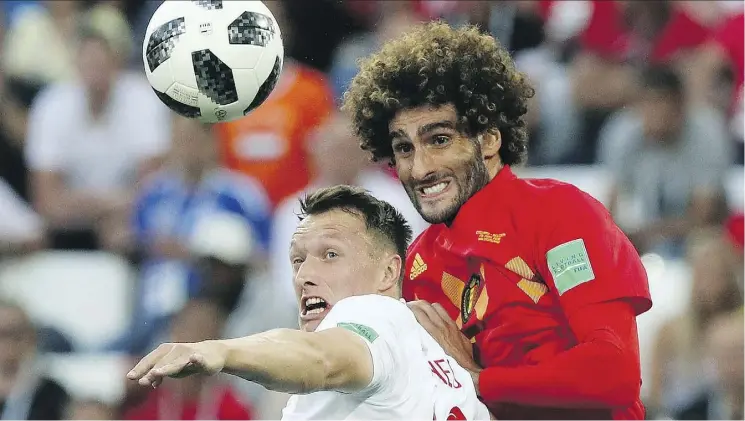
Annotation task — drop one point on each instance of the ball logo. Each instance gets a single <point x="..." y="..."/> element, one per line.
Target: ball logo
<point x="205" y="28"/>
<point x="221" y="114"/>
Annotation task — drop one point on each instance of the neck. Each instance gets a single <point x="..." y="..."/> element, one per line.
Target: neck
<point x="495" y="169"/>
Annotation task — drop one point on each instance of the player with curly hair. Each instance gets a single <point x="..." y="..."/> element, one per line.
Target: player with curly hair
<point x="535" y="289"/>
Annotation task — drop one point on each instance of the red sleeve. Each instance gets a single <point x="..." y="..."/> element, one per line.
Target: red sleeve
<point x="601" y="284"/>
<point x="585" y="258"/>
<point x="602" y="371"/>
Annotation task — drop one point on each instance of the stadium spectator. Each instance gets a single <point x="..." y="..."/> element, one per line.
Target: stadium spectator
<point x="669" y="157"/>
<point x="166" y="209"/>
<point x="270" y="143"/>
<point x="716" y="74"/>
<point x="620" y="39"/>
<point x="724" y="400"/>
<point x="90" y="140"/>
<point x="16" y="96"/>
<point x="40" y="45"/>
<point x="394" y="17"/>
<point x="198" y="397"/>
<point x="332" y="140"/>
<point x="25" y="392"/>
<point x="680" y="371"/>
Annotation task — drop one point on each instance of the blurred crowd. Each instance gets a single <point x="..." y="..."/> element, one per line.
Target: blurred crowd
<point x="194" y="221"/>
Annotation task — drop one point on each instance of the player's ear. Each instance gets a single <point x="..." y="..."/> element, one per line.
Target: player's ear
<point x="490" y="142"/>
<point x="392" y="273"/>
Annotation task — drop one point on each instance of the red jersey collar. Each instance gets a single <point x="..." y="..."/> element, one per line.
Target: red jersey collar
<point x="473" y="209"/>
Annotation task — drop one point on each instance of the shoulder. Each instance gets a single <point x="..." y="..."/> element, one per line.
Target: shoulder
<point x="381" y="313"/>
<point x="422" y="241"/>
<point x="548" y="191"/>
<point x="371" y="304"/>
<point x="702" y="120"/>
<point x="58" y="93"/>
<point x="550" y="204"/>
<point x="133" y="87"/>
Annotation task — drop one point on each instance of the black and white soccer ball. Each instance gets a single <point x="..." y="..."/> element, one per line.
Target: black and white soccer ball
<point x="213" y="60"/>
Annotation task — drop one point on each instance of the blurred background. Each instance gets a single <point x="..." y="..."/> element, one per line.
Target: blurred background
<point x="122" y="225"/>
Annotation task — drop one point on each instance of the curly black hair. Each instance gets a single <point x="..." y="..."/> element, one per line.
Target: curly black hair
<point x="435" y="65"/>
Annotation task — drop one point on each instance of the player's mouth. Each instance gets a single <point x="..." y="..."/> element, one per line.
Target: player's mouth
<point x="435" y="190"/>
<point x="313" y="308"/>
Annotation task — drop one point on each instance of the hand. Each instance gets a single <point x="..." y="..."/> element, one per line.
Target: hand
<point x="179" y="360"/>
<point x="436" y="321"/>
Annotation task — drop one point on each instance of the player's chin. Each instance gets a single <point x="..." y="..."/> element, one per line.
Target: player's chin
<point x="439" y="210"/>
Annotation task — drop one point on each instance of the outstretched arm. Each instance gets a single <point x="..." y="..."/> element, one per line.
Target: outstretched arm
<point x="283" y="360"/>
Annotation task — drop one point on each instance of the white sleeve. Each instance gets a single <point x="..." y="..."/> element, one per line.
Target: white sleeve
<point x="44" y="148"/>
<point x="381" y="322"/>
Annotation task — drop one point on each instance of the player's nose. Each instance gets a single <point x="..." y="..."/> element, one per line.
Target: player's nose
<point x="422" y="166"/>
<point x="305" y="276"/>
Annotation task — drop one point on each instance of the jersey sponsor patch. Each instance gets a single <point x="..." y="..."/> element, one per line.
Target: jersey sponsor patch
<point x="365" y="331"/>
<point x="570" y="265"/>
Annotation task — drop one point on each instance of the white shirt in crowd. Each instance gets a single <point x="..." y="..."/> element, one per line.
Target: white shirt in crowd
<point x="100" y="154"/>
<point x="413" y="377"/>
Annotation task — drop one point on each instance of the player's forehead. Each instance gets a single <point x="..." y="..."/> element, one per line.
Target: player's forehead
<point x="411" y="122"/>
<point x="333" y="226"/>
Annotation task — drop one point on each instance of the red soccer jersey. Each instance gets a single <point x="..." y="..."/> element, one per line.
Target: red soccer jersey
<point x="520" y="256"/>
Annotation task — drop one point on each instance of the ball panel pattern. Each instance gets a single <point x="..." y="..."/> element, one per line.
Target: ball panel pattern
<point x="251" y="28"/>
<point x="267" y="87"/>
<point x="163" y="41"/>
<point x="179" y="107"/>
<point x="209" y="4"/>
<point x="214" y="78"/>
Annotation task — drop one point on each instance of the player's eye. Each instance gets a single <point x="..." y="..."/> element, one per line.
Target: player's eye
<point x="297" y="261"/>
<point x="440" y="140"/>
<point x="331" y="254"/>
<point x="402" y="148"/>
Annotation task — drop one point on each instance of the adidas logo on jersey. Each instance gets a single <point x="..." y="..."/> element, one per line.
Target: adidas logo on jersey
<point x="417" y="267"/>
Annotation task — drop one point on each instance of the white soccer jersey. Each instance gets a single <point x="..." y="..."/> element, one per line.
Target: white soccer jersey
<point x="413" y="378"/>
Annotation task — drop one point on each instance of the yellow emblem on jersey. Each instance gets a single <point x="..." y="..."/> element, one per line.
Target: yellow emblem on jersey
<point x="417" y="267"/>
<point x="489" y="237"/>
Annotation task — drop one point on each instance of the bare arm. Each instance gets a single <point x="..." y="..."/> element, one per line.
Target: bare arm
<point x="283" y="360"/>
<point x="293" y="361"/>
<point x="59" y="205"/>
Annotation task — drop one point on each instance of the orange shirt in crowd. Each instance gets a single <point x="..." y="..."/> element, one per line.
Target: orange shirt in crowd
<point x="269" y="143"/>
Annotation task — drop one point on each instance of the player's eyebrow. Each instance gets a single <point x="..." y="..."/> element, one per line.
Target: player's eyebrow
<point x="427" y="128"/>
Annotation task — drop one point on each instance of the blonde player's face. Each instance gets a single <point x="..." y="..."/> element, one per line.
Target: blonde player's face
<point x="332" y="257"/>
<point x="440" y="167"/>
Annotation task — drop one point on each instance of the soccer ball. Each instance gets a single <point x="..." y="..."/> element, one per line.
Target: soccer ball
<point x="213" y="60"/>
